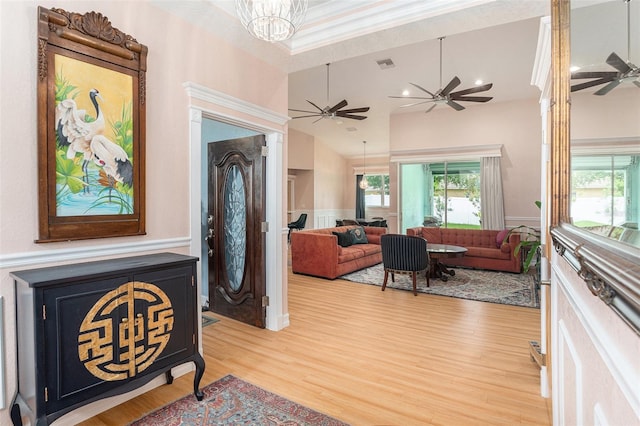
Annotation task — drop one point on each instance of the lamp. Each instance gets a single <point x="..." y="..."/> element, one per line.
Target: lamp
<point x="363" y="182"/>
<point x="271" y="20"/>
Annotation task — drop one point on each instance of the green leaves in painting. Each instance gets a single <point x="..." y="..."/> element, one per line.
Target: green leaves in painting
<point x="68" y="174"/>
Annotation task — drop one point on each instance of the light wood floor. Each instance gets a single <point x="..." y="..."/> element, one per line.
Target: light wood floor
<point x="378" y="358"/>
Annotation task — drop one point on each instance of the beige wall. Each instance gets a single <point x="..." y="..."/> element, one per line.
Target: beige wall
<point x="616" y="115"/>
<point x="515" y="125"/>
<point x="177" y="53"/>
<point x="330" y="177"/>
<point x="301" y="152"/>
<point x="319" y="175"/>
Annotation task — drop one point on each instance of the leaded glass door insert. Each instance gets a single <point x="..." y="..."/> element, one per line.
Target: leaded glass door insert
<point x="236" y="204"/>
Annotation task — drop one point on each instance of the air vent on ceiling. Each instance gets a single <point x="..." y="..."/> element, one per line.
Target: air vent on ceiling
<point x="385" y="63"/>
<point x="350" y="129"/>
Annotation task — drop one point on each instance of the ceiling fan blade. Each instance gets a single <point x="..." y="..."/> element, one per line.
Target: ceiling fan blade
<point x="317" y="120"/>
<point x="455" y="105"/>
<point x="423" y="89"/>
<point x="409" y="97"/>
<point x="617" y="62"/>
<point x="471" y="98"/>
<point x="351" y="116"/>
<point x="430" y="108"/>
<point x="319" y="109"/>
<point x="592" y="83"/>
<point x="416" y="103"/>
<point x="339" y="105"/>
<point x="307" y="116"/>
<point x="606" y="89"/>
<point x="455" y="82"/>
<point x="593" y="74"/>
<point x="363" y="109"/>
<point x="476" y="89"/>
<point x="302" y="110"/>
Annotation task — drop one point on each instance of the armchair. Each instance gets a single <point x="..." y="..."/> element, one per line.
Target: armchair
<point x="404" y="254"/>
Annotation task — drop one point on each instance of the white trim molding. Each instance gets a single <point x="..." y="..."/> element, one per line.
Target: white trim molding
<point x="78" y="253"/>
<point x="214" y="97"/>
<point x="447" y="154"/>
<point x="275" y="239"/>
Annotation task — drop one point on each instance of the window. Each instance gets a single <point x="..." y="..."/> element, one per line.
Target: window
<point x="443" y="193"/>
<point x="604" y="190"/>
<point x="377" y="193"/>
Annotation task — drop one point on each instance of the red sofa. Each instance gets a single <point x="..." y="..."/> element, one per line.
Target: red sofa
<point x="316" y="252"/>
<point x="483" y="250"/>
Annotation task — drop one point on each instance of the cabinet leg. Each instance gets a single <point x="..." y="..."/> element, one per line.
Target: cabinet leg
<point x="16" y="417"/>
<point x="199" y="361"/>
<point x="169" y="376"/>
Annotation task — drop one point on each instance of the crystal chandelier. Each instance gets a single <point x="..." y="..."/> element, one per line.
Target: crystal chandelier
<point x="271" y="20"/>
<point x="363" y="182"/>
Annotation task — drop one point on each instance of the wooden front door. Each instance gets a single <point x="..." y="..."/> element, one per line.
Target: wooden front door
<point x="236" y="212"/>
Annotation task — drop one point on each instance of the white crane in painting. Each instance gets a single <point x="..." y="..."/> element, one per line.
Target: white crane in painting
<point x="73" y="130"/>
<point x="112" y="158"/>
<point x="86" y="137"/>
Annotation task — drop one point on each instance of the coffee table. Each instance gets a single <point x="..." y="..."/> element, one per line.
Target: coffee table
<point x="442" y="251"/>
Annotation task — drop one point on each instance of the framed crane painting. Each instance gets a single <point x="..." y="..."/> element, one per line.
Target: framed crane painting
<point x="91" y="128"/>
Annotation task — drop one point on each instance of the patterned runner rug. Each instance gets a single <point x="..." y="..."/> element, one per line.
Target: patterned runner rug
<point x="485" y="286"/>
<point x="231" y="401"/>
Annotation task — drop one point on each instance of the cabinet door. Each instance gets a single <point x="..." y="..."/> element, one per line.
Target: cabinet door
<point x="170" y="321"/>
<point x="69" y="379"/>
<point x="104" y="334"/>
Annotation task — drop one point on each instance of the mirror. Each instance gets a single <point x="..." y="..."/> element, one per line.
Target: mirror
<point x="605" y="128"/>
<point x="609" y="267"/>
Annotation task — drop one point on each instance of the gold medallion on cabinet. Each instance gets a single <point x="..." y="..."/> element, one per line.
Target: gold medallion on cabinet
<point x="125" y="331"/>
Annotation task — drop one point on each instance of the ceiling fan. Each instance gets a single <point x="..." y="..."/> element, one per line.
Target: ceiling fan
<point x="445" y="96"/>
<point x="627" y="72"/>
<point x="334" y="111"/>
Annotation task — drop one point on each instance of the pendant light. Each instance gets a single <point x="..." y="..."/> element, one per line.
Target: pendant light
<point x="363" y="183"/>
<point x="271" y="20"/>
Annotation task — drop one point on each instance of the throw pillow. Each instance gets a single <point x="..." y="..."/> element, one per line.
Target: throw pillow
<point x="344" y="238"/>
<point x="358" y="236"/>
<point x="500" y="237"/>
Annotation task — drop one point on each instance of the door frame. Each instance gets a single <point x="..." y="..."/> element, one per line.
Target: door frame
<point x="214" y="105"/>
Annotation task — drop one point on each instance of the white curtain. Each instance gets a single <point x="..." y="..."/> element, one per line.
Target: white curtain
<point x="491" y="199"/>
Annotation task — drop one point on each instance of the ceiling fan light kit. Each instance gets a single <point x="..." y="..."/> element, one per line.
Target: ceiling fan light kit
<point x="445" y="96"/>
<point x="333" y="112"/>
<point x="271" y="20"/>
<point x="626" y="71"/>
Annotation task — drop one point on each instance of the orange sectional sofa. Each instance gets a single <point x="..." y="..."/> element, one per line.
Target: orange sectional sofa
<point x="316" y="251"/>
<point x="485" y="249"/>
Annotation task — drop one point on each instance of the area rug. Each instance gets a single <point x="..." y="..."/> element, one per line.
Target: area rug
<point x="231" y="401"/>
<point x="485" y="286"/>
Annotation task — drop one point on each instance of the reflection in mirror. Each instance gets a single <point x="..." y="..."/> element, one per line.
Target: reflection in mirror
<point x="605" y="189"/>
<point x="605" y="119"/>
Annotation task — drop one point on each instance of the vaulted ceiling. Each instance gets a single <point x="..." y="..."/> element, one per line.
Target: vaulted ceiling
<point x="491" y="40"/>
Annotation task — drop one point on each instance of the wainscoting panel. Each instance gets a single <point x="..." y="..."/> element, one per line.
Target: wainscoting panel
<point x="595" y="356"/>
<point x="570" y="369"/>
<point x="327" y="218"/>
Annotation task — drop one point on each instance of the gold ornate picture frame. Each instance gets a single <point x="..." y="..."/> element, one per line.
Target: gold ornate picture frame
<point x="91" y="128"/>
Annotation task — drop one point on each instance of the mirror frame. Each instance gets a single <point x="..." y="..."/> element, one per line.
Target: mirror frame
<point x="609" y="268"/>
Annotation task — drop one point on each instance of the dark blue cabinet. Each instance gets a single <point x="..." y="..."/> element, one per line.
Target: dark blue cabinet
<point x="91" y="330"/>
